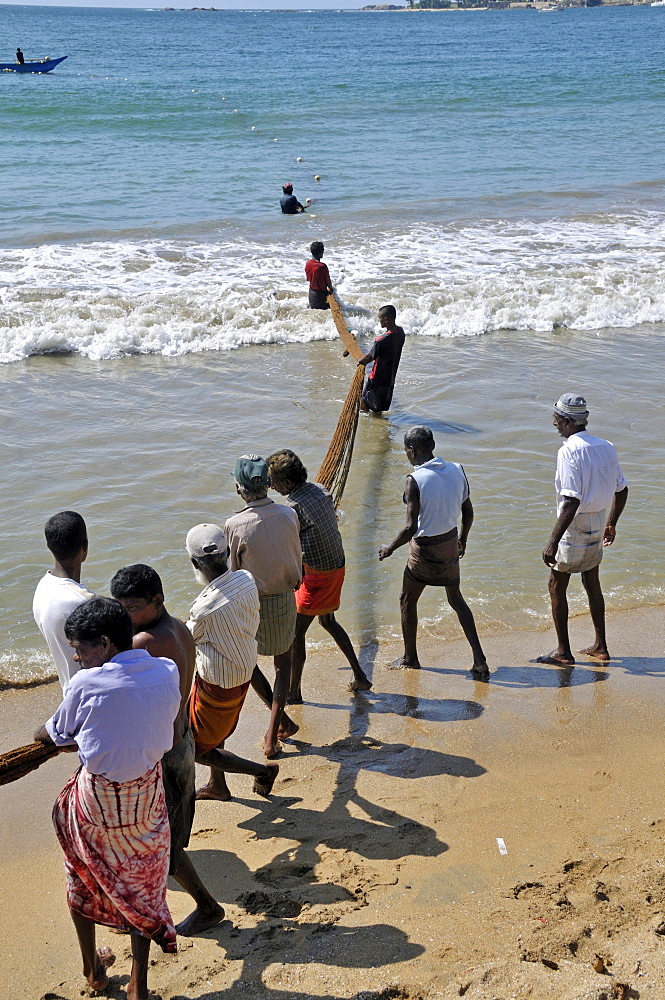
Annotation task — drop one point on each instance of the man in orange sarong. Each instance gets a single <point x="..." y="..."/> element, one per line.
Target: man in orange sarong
<point x="111" y="817"/>
<point x="320" y="591"/>
<point x="223" y="621"/>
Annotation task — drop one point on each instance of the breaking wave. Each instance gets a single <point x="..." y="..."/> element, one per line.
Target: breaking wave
<point x="108" y="299"/>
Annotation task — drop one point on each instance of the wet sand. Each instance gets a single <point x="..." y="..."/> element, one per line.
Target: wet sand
<point x="375" y="870"/>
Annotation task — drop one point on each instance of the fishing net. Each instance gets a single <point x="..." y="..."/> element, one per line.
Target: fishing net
<point x="335" y="466"/>
<point x="333" y="473"/>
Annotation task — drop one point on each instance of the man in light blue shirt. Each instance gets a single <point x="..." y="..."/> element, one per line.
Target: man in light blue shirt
<point x="111" y="817"/>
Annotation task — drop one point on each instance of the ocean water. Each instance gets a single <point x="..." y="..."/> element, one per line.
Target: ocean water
<point x="498" y="176"/>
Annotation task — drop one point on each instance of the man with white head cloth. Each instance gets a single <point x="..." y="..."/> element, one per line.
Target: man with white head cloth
<point x="223" y="621"/>
<point x="588" y="481"/>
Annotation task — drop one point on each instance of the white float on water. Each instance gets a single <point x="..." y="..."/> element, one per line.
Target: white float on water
<point x="308" y="201"/>
<point x="317" y="177"/>
<point x="298" y="159"/>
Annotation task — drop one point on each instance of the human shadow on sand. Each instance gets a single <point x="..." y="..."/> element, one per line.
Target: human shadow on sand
<point x="647" y="666"/>
<point x="399" y="760"/>
<point x="545" y="675"/>
<point x="426" y="709"/>
<point x="334" y="945"/>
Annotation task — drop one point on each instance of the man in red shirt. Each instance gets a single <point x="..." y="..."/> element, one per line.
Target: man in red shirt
<point x="318" y="276"/>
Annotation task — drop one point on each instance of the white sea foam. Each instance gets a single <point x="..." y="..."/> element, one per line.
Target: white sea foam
<point x="106" y="299"/>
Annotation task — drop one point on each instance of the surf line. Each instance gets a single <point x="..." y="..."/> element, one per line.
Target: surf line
<point x="335" y="467"/>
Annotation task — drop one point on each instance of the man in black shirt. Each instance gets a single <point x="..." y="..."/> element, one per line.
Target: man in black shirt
<point x="385" y="355"/>
<point x="20" y="59"/>
<point x="288" y="202"/>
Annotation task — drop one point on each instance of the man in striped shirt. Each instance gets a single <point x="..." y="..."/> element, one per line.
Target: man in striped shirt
<point x="223" y="621"/>
<point x="323" y="559"/>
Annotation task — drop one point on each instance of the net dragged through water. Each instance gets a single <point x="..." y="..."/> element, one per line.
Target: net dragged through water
<point x="335" y="467"/>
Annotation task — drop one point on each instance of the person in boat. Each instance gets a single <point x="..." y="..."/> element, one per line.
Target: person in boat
<point x="318" y="275"/>
<point x="436" y="494"/>
<point x="288" y="202"/>
<point x="384" y="357"/>
<point x="20" y="58"/>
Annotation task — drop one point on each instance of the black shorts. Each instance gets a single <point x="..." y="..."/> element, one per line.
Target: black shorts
<point x="178" y="775"/>
<point x="318" y="300"/>
<point x="377" y="397"/>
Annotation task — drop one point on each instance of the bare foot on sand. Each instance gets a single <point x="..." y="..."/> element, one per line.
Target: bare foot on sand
<point x="360" y="684"/>
<point x="480" y="672"/>
<point x="556" y="659"/>
<point x="263" y="786"/>
<point x="98" y="980"/>
<point x="272" y="750"/>
<point x="597" y="652"/>
<point x="404" y="663"/>
<point x="287" y="729"/>
<point x="294" y="699"/>
<point x="150" y="995"/>
<point x="200" y="920"/>
<point x="217" y="793"/>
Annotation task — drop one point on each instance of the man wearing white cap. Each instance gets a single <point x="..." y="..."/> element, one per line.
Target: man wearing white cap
<point x="588" y="481"/>
<point x="223" y="621"/>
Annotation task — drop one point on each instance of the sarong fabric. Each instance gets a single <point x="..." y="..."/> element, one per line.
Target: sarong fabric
<point x="178" y="773"/>
<point x="434" y="560"/>
<point x="320" y="591"/>
<point x="581" y="547"/>
<point x="214" y="712"/>
<point x="277" y="623"/>
<point x="115" y="836"/>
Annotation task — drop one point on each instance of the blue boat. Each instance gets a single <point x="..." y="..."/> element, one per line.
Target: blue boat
<point x="31" y="66"/>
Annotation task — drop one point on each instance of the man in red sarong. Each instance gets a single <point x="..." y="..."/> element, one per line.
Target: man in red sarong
<point x="320" y="591"/>
<point x="111" y="817"/>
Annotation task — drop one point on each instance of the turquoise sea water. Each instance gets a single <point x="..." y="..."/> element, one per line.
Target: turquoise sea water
<point x="499" y="176"/>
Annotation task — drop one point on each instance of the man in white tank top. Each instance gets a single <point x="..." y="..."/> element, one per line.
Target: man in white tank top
<point x="437" y="492"/>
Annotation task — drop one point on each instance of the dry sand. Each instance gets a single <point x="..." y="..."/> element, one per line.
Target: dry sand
<point x="374" y="871"/>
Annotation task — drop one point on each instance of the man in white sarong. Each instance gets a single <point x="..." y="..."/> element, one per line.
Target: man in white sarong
<point x="588" y="481"/>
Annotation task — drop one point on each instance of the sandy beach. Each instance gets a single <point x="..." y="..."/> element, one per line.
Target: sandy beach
<point x="376" y="869"/>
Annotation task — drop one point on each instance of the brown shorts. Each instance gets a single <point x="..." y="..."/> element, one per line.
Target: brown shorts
<point x="434" y="560"/>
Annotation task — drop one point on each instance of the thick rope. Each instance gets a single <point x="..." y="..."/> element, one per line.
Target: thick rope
<point x="335" y="466"/>
<point x="16" y="763"/>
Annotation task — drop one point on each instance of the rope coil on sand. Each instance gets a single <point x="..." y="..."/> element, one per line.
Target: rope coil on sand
<point x="333" y="473"/>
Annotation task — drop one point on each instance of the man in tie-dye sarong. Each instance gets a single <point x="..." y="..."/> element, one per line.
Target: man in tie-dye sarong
<point x="111" y="817"/>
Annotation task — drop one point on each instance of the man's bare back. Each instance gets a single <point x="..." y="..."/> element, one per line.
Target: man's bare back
<point x="168" y="636"/>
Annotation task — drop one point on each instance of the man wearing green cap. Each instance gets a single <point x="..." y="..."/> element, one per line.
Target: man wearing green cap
<point x="264" y="538"/>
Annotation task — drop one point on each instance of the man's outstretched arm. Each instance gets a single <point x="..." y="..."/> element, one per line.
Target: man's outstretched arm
<point x="412" y="512"/>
